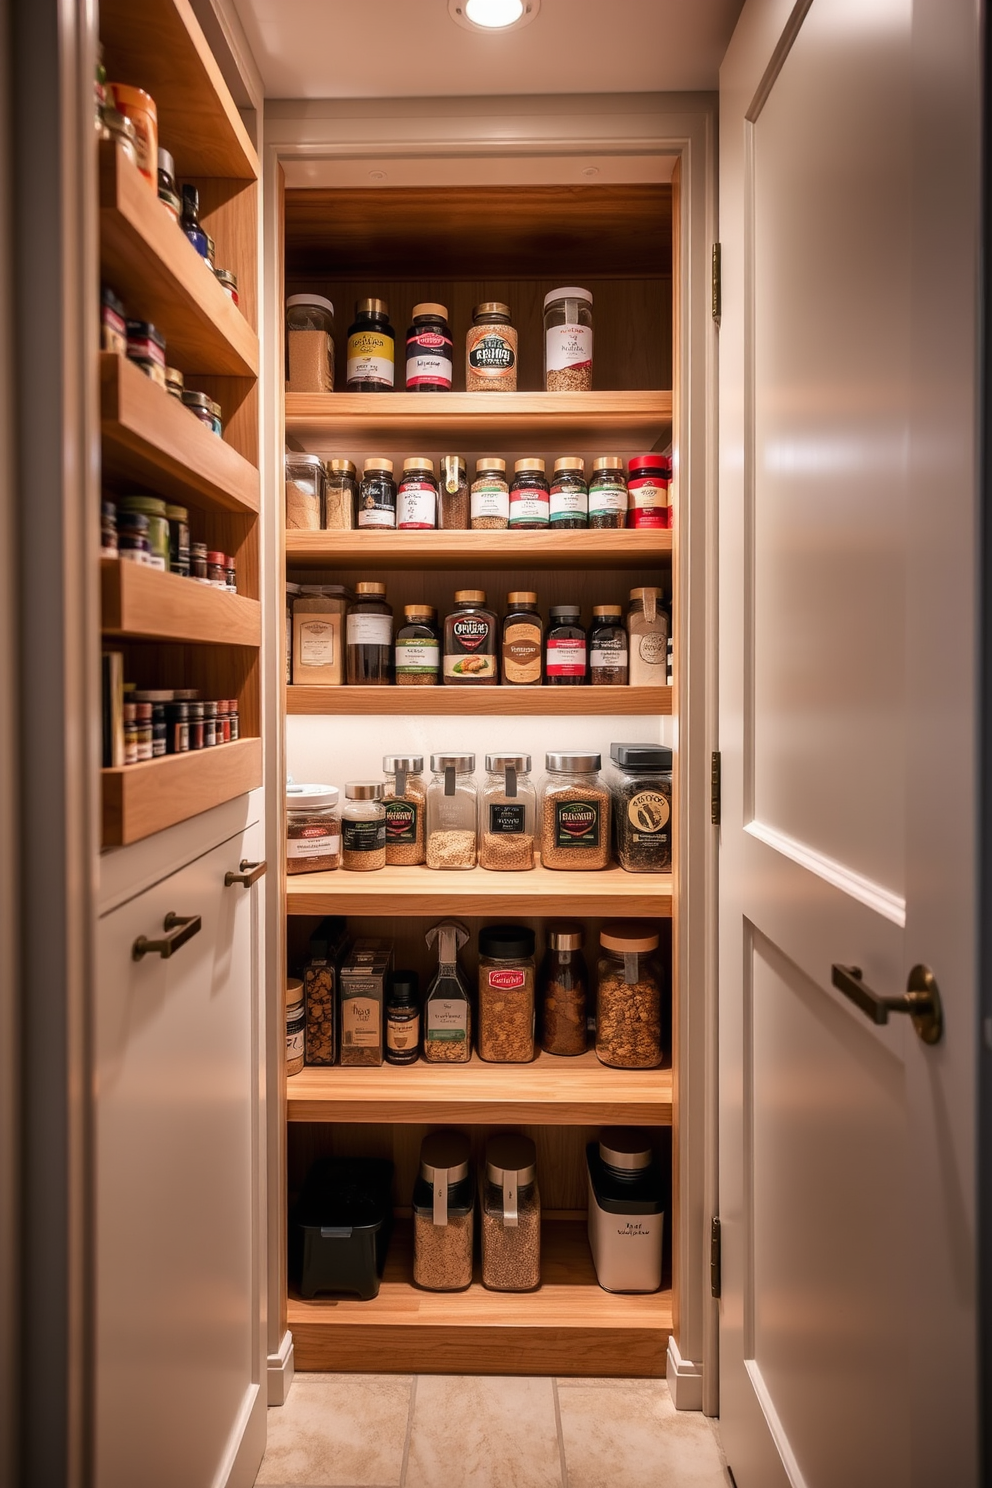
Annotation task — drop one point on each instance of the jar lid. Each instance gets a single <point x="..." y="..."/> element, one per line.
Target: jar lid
<point x="143" y="330"/>
<point x="613" y="611"/>
<point x="650" y="462"/>
<point x="218" y="560"/>
<point x="565" y="612"/>
<point x="641" y="756"/>
<point x="364" y="790"/>
<point x="528" y="465"/>
<point x="412" y="763"/>
<point x="646" y="593"/>
<point x="310" y="299"/>
<point x="419" y="462"/>
<point x="327" y="591"/>
<point x="420" y="612"/>
<point x="464" y="763"/>
<point x="628" y="935"/>
<point x="404" y="987"/>
<point x="570" y="462"/>
<point x="626" y="1147"/>
<point x="521" y="762"/>
<point x="226" y="276"/>
<point x="506" y="942"/>
<point x="445" y="1155"/>
<point x="292" y="590"/>
<point x="439" y="312"/>
<point x="340" y="467"/>
<point x="370" y="589"/>
<point x="159" y="695"/>
<point x="452" y="469"/>
<point x="166" y="162"/>
<point x="521" y="596"/>
<point x="149" y="506"/>
<point x="489" y="462"/>
<point x="509" y="1155"/>
<point x="470" y="596"/>
<point x="144" y="711"/>
<point x="215" y="408"/>
<point x="294" y="460"/>
<point x="373" y="307"/>
<point x="573" y="764"/>
<point x="177" y="513"/>
<point x="608" y="462"/>
<point x="186" y="694"/>
<point x="570" y="292"/>
<point x="294" y="992"/>
<point x="491" y="307"/>
<point x="175" y="377"/>
<point x="378" y="462"/>
<point x="568" y="935"/>
<point x="200" y="400"/>
<point x="304" y="797"/>
<point x="119" y="123"/>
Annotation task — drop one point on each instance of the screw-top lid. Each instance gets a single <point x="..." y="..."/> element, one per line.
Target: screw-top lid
<point x="570" y="462"/>
<point x="608" y="462"/>
<point x="520" y="762"/>
<point x="570" y="292"/>
<point x="378" y="462"/>
<point x="176" y="513"/>
<point x="412" y="763"/>
<point x="489" y="462"/>
<point x="373" y="307"/>
<point x="149" y="506"/>
<point x="650" y="462"/>
<point x="647" y="592"/>
<point x="567" y="935"/>
<point x="464" y="763"/>
<point x="452" y="472"/>
<point x="613" y="612"/>
<point x="404" y="987"/>
<point x="340" y="467"/>
<point x="370" y="587"/>
<point x="491" y="307"/>
<point x="444" y="1159"/>
<point x="521" y="596"/>
<point x="294" y="993"/>
<point x="226" y="276"/>
<point x="470" y="596"/>
<point x="626" y="1147"/>
<point x="573" y="764"/>
<point x="420" y="612"/>
<point x="216" y="560"/>
<point x="641" y="756"/>
<point x="565" y="612"/>
<point x="419" y="462"/>
<point x="628" y="935"/>
<point x="364" y="790"/>
<point x="305" y="797"/>
<point x="506" y="942"/>
<point x="528" y="465"/>
<point x="156" y="695"/>
<point x="310" y="299"/>
<point x="429" y="308"/>
<point x="166" y="162"/>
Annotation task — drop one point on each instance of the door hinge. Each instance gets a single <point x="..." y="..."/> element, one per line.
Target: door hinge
<point x="716" y="285"/>
<point x="715" y="1258"/>
<point x="715" y="787"/>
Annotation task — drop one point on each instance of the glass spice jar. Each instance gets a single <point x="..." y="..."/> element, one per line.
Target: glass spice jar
<point x="575" y="813"/>
<point x="447" y="1027"/>
<point x="569" y="496"/>
<point x="507" y="812"/>
<point x="566" y="652"/>
<point x="642" y="807"/>
<point x="506" y="1006"/>
<point x="228" y="282"/>
<point x="471" y="634"/>
<point x="132" y="537"/>
<point x="340" y="495"/>
<point x="608" y="652"/>
<point x="155" y="511"/>
<point x="490" y="496"/>
<point x="178" y="519"/>
<point x="405" y="797"/>
<point x="130" y="733"/>
<point x="568" y="340"/>
<point x="377" y="494"/>
<point x="199" y="406"/>
<point x="210" y="739"/>
<point x="175" y="383"/>
<point x="647" y="629"/>
<point x="564" y="992"/>
<point x="522" y="646"/>
<point x="313" y="828"/>
<point x="608" y="493"/>
<point x="369" y="629"/>
<point x="443" y="1213"/>
<point x="453" y="498"/>
<point x="371" y="349"/>
<point x="491" y="350"/>
<point x="416" y="499"/>
<point x="529" y="496"/>
<point x="363" y="827"/>
<point x="216" y="570"/>
<point x="198" y="562"/>
<point x="418" y="648"/>
<point x="402" y="1045"/>
<point x="309" y="344"/>
<point x="196" y="732"/>
<point x="628" y="997"/>
<point x="304" y="493"/>
<point x="146" y="348"/>
<point x="511" y="1215"/>
<point x="452" y="812"/>
<point x="648" y="485"/>
<point x="113" y="322"/>
<point x="429" y="350"/>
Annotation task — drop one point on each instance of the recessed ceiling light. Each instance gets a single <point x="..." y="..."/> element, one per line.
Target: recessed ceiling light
<point x="493" y="15"/>
<point x="590" y="170"/>
<point x="377" y="175"/>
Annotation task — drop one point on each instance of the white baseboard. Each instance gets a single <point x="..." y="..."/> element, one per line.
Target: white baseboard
<point x="685" y="1380"/>
<point x="280" y="1371"/>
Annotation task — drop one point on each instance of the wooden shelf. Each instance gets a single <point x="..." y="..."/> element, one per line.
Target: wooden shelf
<point x="506" y="702"/>
<point x="366" y="549"/>
<point x="327" y="422"/>
<point x="145" y="602"/>
<point x="150" y="263"/>
<point x="151" y="440"/>
<point x="551" y="1091"/>
<point x="569" y="1326"/>
<point x="159" y="46"/>
<point x="141" y="799"/>
<point x="478" y="891"/>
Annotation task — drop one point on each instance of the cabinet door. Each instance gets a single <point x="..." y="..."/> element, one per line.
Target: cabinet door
<point x="177" y="1264"/>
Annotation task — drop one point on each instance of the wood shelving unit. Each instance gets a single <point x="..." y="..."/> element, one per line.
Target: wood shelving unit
<point x="473" y="550"/>
<point x="145" y="798"/>
<point x="481" y="702"/>
<point x="147" y="603"/>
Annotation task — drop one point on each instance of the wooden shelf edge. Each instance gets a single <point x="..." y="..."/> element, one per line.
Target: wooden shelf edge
<point x="148" y="604"/>
<point x="139" y="800"/>
<point x="476" y="549"/>
<point x="514" y="702"/>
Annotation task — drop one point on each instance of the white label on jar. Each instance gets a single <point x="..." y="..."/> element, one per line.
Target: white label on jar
<point x="568" y="503"/>
<point x="294" y="1043"/>
<point x="528" y="506"/>
<point x="155" y="560"/>
<point x="316" y="643"/>
<point x="446" y="1019"/>
<point x="370" y="358"/>
<point x="605" y="501"/>
<point x="490" y="501"/>
<point x="569" y="346"/>
<point x="429" y="368"/>
<point x="370" y="630"/>
<point x="566" y="658"/>
<point x="616" y="657"/>
<point x="416" y="505"/>
<point x="376" y="516"/>
<point x="418" y="656"/>
<point x="324" y="845"/>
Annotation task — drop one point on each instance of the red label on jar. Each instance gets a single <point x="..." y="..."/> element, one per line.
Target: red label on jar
<point x="649" y="507"/>
<point x="317" y="831"/>
<point x="506" y="980"/>
<point x="566" y="658"/>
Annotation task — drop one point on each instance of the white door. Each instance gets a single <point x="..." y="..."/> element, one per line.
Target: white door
<point x="179" y="1351"/>
<point x="849" y="197"/>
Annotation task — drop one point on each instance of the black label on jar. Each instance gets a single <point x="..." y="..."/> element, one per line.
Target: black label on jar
<point x="363" y="836"/>
<point x="577" y="824"/>
<point x="504" y="818"/>
<point x="492" y="351"/>
<point x="401" y="822"/>
<point x="470" y="634"/>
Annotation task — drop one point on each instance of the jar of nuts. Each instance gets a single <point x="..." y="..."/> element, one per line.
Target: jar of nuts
<point x="628" y="997"/>
<point x="507" y="808"/>
<point x="506" y="994"/>
<point x="511" y="1216"/>
<point x="564" y="991"/>
<point x="575" y="813"/>
<point x="443" y="1209"/>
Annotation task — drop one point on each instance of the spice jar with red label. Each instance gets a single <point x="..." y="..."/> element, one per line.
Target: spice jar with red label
<point x="506" y="994"/>
<point x="648" y="484"/>
<point x="429" y="350"/>
<point x="416" y="499"/>
<point x="471" y="635"/>
<point x="566" y="650"/>
<point x="529" y="496"/>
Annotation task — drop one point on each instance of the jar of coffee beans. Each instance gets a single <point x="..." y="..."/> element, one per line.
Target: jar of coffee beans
<point x="575" y="813"/>
<point x="642" y="807"/>
<point x="443" y="1211"/>
<point x="628" y="996"/>
<point x="511" y="1215"/>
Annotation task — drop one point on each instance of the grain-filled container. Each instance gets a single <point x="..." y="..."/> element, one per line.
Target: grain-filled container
<point x="506" y="994"/>
<point x="452" y="812"/>
<point x="363" y="827"/>
<point x="511" y="1215"/>
<point x="575" y="813"/>
<point x="626" y="1210"/>
<point x="309" y="344"/>
<point x="443" y="1205"/>
<point x="318" y="635"/>
<point x="568" y="340"/>
<point x="491" y="350"/>
<point x="642" y="807"/>
<point x="313" y="828"/>
<point x="628" y="996"/>
<point x="405" y="800"/>
<point x="507" y="814"/>
<point x="304" y="493"/>
<point x="563" y="996"/>
<point x="340" y="495"/>
<point x="447" y="1025"/>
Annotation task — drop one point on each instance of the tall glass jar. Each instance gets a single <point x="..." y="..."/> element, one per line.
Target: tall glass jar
<point x="340" y="495"/>
<point x="443" y="1211"/>
<point x="453" y="495"/>
<point x="566" y="649"/>
<point x="369" y="629"/>
<point x="507" y="811"/>
<point x="490" y="496"/>
<point x="511" y="1215"/>
<point x="642" y="807"/>
<point x="452" y="808"/>
<point x="405" y="797"/>
<point x="309" y="344"/>
<point x="575" y="813"/>
<point x="647" y="629"/>
<point x="608" y="493"/>
<point x="506" y="994"/>
<point x="491" y="350"/>
<point x="564" y="991"/>
<point x="608" y="652"/>
<point x="628" y="996"/>
<point x="568" y="340"/>
<point x="363" y="827"/>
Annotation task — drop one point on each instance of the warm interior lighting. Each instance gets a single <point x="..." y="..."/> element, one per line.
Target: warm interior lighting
<point x="494" y="13"/>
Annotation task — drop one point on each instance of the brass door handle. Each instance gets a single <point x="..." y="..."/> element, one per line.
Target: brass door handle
<point x="181" y="928"/>
<point x="250" y="873"/>
<point x="921" y="1000"/>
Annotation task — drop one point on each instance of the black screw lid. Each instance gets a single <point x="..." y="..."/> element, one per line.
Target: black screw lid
<point x="506" y="942"/>
<point x="566" y="612"/>
<point x="641" y="756"/>
<point x="403" y="988"/>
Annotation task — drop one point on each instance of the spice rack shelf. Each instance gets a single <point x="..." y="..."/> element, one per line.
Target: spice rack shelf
<point x="145" y="798"/>
<point x="568" y="1326"/>
<point x="479" y="891"/>
<point x="147" y="603"/>
<point x="150" y="439"/>
<point x="505" y="702"/>
<point x="549" y="1091"/>
<point x="160" y="276"/>
<point x="369" y="550"/>
<point x="331" y="423"/>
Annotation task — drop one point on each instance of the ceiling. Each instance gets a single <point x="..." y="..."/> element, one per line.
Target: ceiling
<point x="413" y="48"/>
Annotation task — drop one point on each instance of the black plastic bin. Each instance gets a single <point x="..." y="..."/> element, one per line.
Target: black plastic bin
<point x="339" y="1230"/>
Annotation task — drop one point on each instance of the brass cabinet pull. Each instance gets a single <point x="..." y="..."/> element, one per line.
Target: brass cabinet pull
<point x="250" y="873"/>
<point x="921" y="1000"/>
<point x="181" y="928"/>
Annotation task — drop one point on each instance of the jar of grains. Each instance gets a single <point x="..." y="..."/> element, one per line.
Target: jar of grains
<point x="564" y="991"/>
<point x="416" y="498"/>
<point x="506" y="994"/>
<point x="405" y="798"/>
<point x="628" y="996"/>
<point x="529" y="495"/>
<point x="304" y="493"/>
<point x="568" y="341"/>
<point x="370" y="637"/>
<point x="443" y="1210"/>
<point x="451" y="812"/>
<point x="309" y="344"/>
<point x="313" y="828"/>
<point x="608" y="492"/>
<point x="490" y="506"/>
<point x="511" y="1215"/>
<point x="340" y="495"/>
<point x="295" y="1026"/>
<point x="318" y="634"/>
<point x="453" y="497"/>
<point x="507" y="810"/>
<point x="363" y="826"/>
<point x="376" y="499"/>
<point x="575" y="813"/>
<point x="569" y="503"/>
<point x="608" y="647"/>
<point x="491" y="350"/>
<point x="647" y="628"/>
<point x="642" y="807"/>
<point x="418" y="647"/>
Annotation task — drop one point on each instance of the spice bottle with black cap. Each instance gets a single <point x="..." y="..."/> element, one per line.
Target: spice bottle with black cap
<point x="443" y="1213"/>
<point x="626" y="1210"/>
<point x="511" y="1215"/>
<point x="402" y="1019"/>
<point x="566" y="650"/>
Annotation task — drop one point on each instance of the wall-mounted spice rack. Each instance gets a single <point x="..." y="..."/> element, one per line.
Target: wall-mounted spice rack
<point x="148" y="797"/>
<point x="145" y="602"/>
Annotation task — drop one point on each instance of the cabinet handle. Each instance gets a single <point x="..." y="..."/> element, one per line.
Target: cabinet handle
<point x="181" y="928"/>
<point x="921" y="1000"/>
<point x="250" y="873"/>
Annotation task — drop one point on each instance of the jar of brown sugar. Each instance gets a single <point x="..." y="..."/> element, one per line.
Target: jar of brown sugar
<point x="309" y="344"/>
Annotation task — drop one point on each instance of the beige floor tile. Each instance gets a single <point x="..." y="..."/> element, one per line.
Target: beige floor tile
<point x="472" y="1432"/>
<point x="614" y="1436"/>
<point x="339" y="1431"/>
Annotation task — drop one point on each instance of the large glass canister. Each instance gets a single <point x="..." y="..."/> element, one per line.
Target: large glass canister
<point x="309" y="344"/>
<point x="628" y="996"/>
<point x="405" y="797"/>
<point x="511" y="1215"/>
<point x="507" y="813"/>
<point x="575" y="813"/>
<point x="452" y="812"/>
<point x="642" y="807"/>
<point x="443" y="1209"/>
<point x="304" y="493"/>
<point x="564" y="991"/>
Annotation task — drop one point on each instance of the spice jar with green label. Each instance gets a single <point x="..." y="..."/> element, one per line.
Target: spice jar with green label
<point x="405" y="798"/>
<point x="608" y="493"/>
<point x="575" y="813"/>
<point x="363" y="827"/>
<point x="418" y="647"/>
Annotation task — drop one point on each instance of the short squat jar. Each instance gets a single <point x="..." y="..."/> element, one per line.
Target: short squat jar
<point x="575" y="813"/>
<point x="313" y="825"/>
<point x="506" y="994"/>
<point x="363" y="826"/>
<point x="452" y="809"/>
<point x="511" y="1215"/>
<point x="628" y="997"/>
<point x="507" y="812"/>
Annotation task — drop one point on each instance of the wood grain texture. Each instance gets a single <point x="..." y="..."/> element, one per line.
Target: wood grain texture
<point x="159" y="46"/>
<point x="150" y="263"/>
<point x="140" y="601"/>
<point x="141" y="799"/>
<point x="417" y="551"/>
<point x="502" y="702"/>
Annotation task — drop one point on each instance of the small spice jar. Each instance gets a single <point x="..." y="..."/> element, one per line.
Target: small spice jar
<point x="139" y="107"/>
<point x="490" y="496"/>
<point x="564" y="992"/>
<point x="295" y="1026"/>
<point x="453" y="498"/>
<point x="122" y="132"/>
<point x="429" y="350"/>
<point x="196" y="729"/>
<point x="175" y="383"/>
<point x="228" y="282"/>
<point x="529" y="496"/>
<point x="377" y="494"/>
<point x="217" y="569"/>
<point x="566" y="652"/>
<point x="507" y="813"/>
<point x="178" y="518"/>
<point x="452" y="812"/>
<point x="568" y="340"/>
<point x="443" y="1212"/>
<point x="647" y="629"/>
<point x="491" y="350"/>
<point x="405" y="797"/>
<point x="190" y="221"/>
<point x="371" y="349"/>
<point x="155" y="511"/>
<point x="402" y="1045"/>
<point x="649" y="480"/>
<point x="108" y="529"/>
<point x="313" y="827"/>
<point x="506" y="994"/>
<point x="575" y="813"/>
<point x="113" y="323"/>
<point x="177" y="727"/>
<point x="199" y="405"/>
<point x="628" y="997"/>
<point x="210" y="739"/>
<point x="418" y="648"/>
<point x="370" y="637"/>
<point x="168" y="195"/>
<point x="471" y="640"/>
<point x="569" y="495"/>
<point x="340" y="494"/>
<point x="416" y="499"/>
<point x="642" y="807"/>
<point x="130" y="733"/>
<point x="132" y="537"/>
<point x="198" y="562"/>
<point x="511" y="1215"/>
<point x="363" y="827"/>
<point x="522" y="645"/>
<point x="216" y="417"/>
<point x="309" y="344"/>
<point x="608" y="493"/>
<point x="146" y="348"/>
<point x="304" y="493"/>
<point x="608" y="647"/>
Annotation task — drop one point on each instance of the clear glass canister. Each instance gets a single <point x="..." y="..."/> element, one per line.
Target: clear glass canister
<point x="642" y="807"/>
<point x="453" y="499"/>
<point x="511" y="1215"/>
<point x="575" y="813"/>
<point x="309" y="344"/>
<point x="507" y="812"/>
<point x="568" y="340"/>
<point x="564" y="991"/>
<point x="628" y="997"/>
<point x="304" y="493"/>
<point x="340" y="492"/>
<point x="313" y="829"/>
<point x="318" y="634"/>
<point x="363" y="826"/>
<point x="369" y="654"/>
<point x="405" y="798"/>
<point x="443" y="1212"/>
<point x="451" y="812"/>
<point x="506" y="1018"/>
<point x="647" y="629"/>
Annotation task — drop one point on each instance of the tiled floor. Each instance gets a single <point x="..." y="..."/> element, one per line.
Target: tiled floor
<point x="470" y="1431"/>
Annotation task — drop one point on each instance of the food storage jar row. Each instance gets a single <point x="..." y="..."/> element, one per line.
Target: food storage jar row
<point x="421" y="494"/>
<point x="155" y="533"/>
<point x="334" y="636"/>
<point x="141" y="724"/>
<point x="491" y="348"/>
<point x="142" y="343"/>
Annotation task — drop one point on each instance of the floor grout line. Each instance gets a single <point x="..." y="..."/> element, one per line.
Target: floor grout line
<point x="409" y="1433"/>
<point x="561" y="1439"/>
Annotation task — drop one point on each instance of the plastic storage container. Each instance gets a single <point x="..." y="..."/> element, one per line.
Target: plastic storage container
<point x="309" y="344"/>
<point x="628" y="997"/>
<point x="626" y="1211"/>
<point x="443" y="1212"/>
<point x="313" y="828"/>
<point x="511" y="1216"/>
<point x="342" y="1225"/>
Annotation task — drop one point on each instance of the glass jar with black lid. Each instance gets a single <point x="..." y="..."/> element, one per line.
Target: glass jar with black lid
<point x="376" y="498"/>
<point x="569" y="497"/>
<point x="608" y="652"/>
<point x="642" y="807"/>
<point x="371" y="349"/>
<point x="429" y="350"/>
<point x="529" y="497"/>
<point x="566" y="653"/>
<point x="369" y="630"/>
